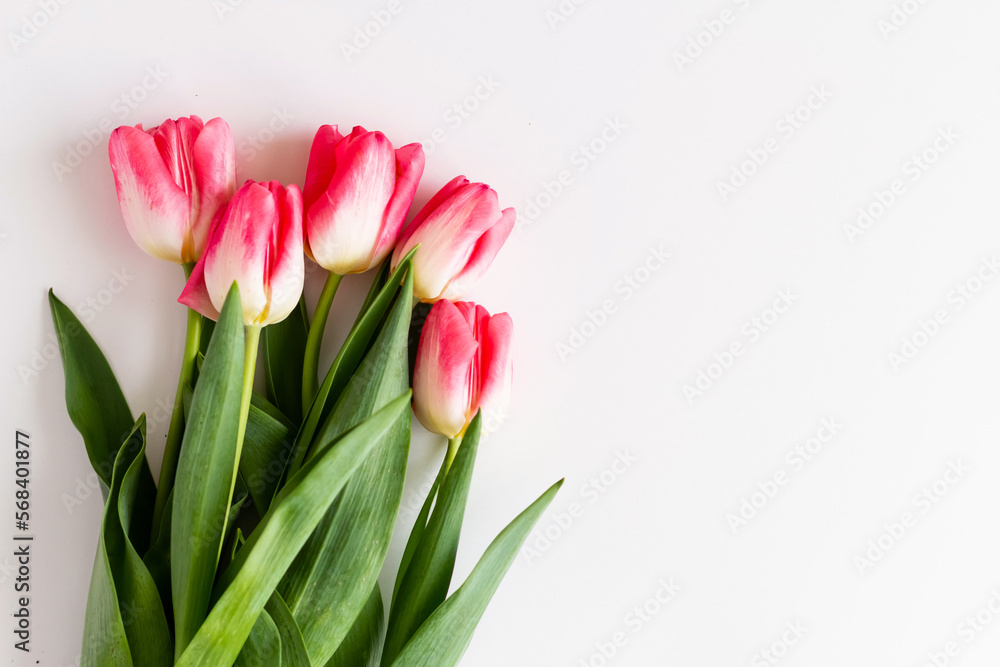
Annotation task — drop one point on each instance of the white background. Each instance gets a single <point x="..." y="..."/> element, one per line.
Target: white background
<point x="683" y="127"/>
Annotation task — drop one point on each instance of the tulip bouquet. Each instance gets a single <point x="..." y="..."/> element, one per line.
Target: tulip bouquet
<point x="262" y="541"/>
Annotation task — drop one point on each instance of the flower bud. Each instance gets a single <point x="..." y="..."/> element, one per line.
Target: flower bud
<point x="357" y="193"/>
<point x="172" y="181"/>
<point x="463" y="363"/>
<point x="460" y="232"/>
<point x="258" y="243"/>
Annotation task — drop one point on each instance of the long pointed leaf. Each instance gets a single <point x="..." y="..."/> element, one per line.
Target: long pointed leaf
<point x="293" y="648"/>
<point x="263" y="645"/>
<point x="417" y="532"/>
<point x="362" y="647"/>
<point x="266" y="449"/>
<point x="98" y="410"/>
<point x="425" y="582"/>
<point x="125" y="617"/>
<point x="204" y="474"/>
<point x="333" y="574"/>
<point x="443" y="639"/>
<point x="347" y="360"/>
<point x="248" y="582"/>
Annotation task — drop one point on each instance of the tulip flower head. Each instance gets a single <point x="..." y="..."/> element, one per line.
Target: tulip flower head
<point x="258" y="243"/>
<point x="356" y="195"/>
<point x="463" y="363"/>
<point x="172" y="181"/>
<point x="460" y="232"/>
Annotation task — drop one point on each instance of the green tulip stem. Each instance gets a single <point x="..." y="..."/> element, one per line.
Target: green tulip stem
<point x="453" y="444"/>
<point x="175" y="433"/>
<point x="249" y="366"/>
<point x="310" y="368"/>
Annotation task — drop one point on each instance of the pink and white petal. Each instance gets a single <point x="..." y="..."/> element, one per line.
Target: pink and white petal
<point x="482" y="256"/>
<point x="175" y="140"/>
<point x="155" y="209"/>
<point x="441" y="370"/>
<point x="215" y="173"/>
<point x="322" y="164"/>
<point x="195" y="293"/>
<point x="404" y="244"/>
<point x="344" y="225"/>
<point x="449" y="236"/>
<point x="496" y="364"/>
<point x="409" y="169"/>
<point x="286" y="274"/>
<point x="238" y="250"/>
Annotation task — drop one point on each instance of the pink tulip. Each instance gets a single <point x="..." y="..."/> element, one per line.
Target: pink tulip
<point x="172" y="180"/>
<point x="460" y="232"/>
<point x="258" y="243"/>
<point x="463" y="364"/>
<point x="357" y="193"/>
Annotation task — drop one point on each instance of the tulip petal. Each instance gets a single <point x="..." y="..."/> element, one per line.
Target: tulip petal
<point x="409" y="169"/>
<point x="441" y="370"/>
<point x="215" y="176"/>
<point x="238" y="250"/>
<point x="482" y="256"/>
<point x="496" y="363"/>
<point x="344" y="224"/>
<point x="155" y="208"/>
<point x="322" y="164"/>
<point x="403" y="245"/>
<point x="195" y="293"/>
<point x="285" y="275"/>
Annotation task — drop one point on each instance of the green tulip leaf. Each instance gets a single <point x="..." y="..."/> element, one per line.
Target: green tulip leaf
<point x="246" y="585"/>
<point x="98" y="410"/>
<point x="347" y="360"/>
<point x="205" y="471"/>
<point x="263" y="645"/>
<point x="125" y="622"/>
<point x="266" y="449"/>
<point x="284" y="346"/>
<point x="425" y="580"/>
<point x="362" y="647"/>
<point x="444" y="637"/>
<point x="293" y="648"/>
<point x="333" y="575"/>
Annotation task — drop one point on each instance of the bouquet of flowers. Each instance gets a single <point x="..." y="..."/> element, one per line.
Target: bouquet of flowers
<point x="262" y="540"/>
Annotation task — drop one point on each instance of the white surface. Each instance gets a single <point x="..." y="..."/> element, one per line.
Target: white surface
<point x="655" y="186"/>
